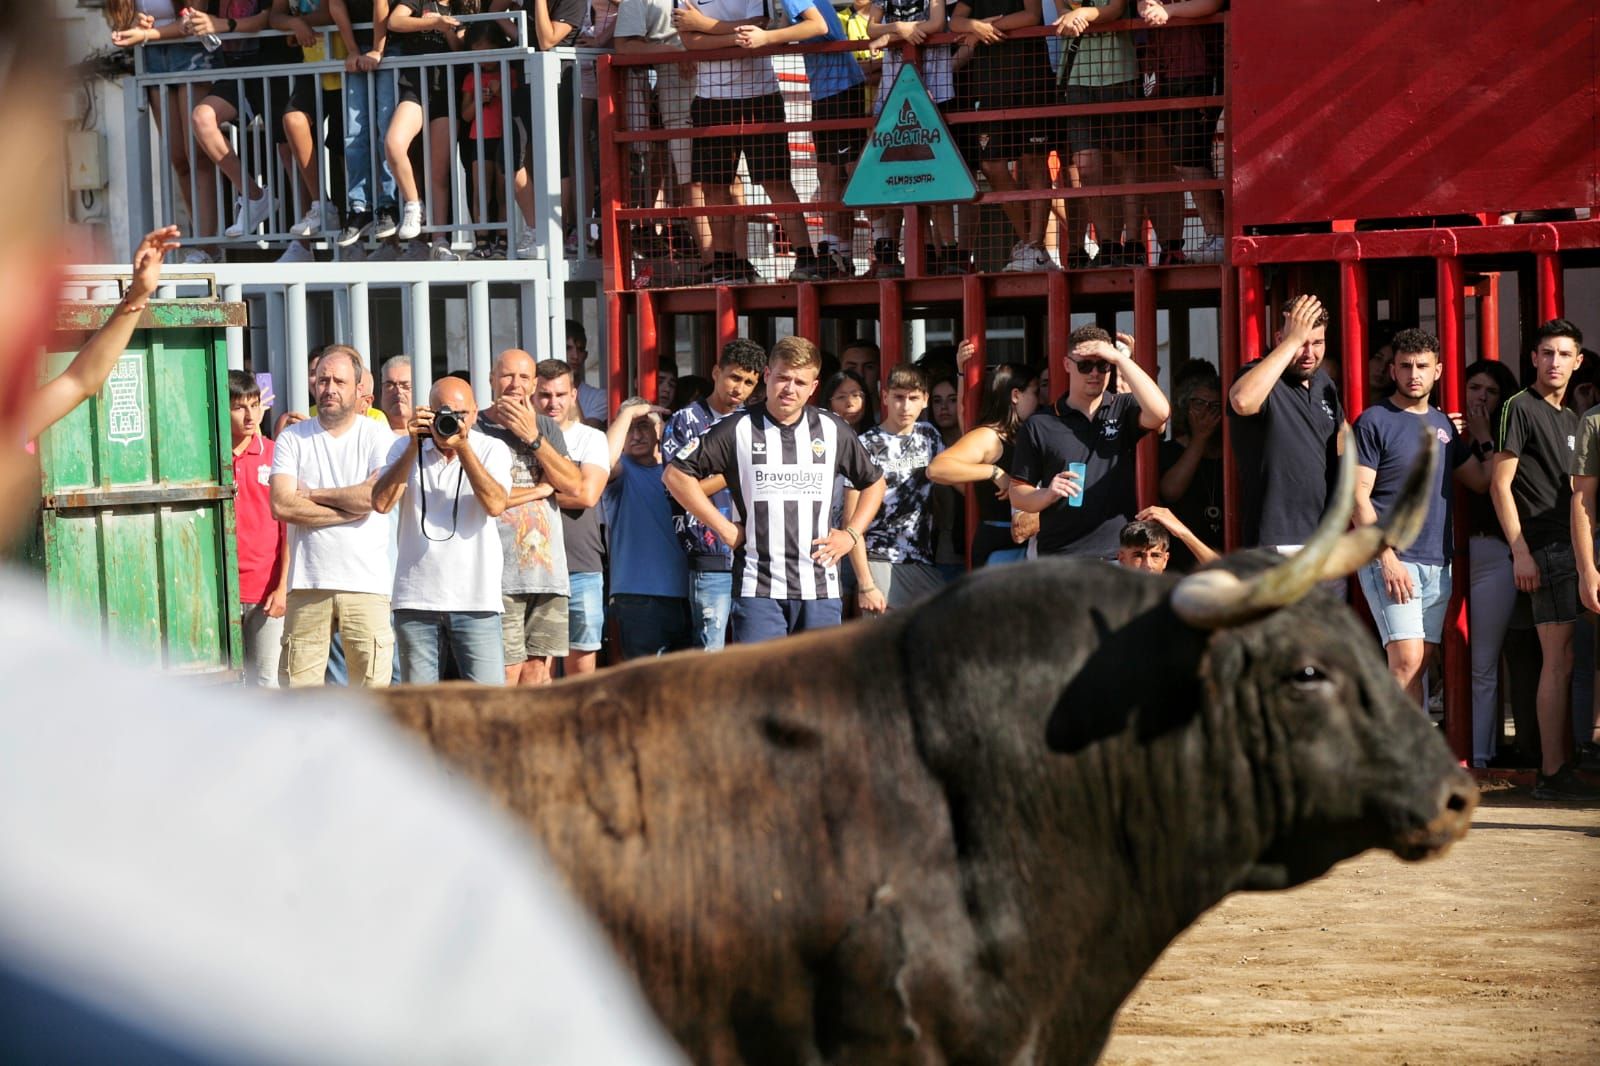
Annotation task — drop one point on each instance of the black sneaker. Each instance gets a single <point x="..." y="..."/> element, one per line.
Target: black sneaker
<point x="806" y="267"/>
<point x="1589" y="756"/>
<point x="356" y="225"/>
<point x="387" y="224"/>
<point x="1564" y="784"/>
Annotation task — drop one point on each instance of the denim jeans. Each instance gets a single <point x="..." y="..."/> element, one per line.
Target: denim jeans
<point x="360" y="133"/>
<point x="757" y="618"/>
<point x="652" y="625"/>
<point x="710" y="600"/>
<point x="475" y="641"/>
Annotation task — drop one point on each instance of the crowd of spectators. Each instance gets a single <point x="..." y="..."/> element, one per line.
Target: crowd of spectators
<point x="529" y="540"/>
<point x="423" y="145"/>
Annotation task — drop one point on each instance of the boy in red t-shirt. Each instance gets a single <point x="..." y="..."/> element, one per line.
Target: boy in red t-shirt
<point x="263" y="573"/>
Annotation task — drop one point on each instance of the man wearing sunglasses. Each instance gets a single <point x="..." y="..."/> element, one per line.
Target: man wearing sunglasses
<point x="1081" y="453"/>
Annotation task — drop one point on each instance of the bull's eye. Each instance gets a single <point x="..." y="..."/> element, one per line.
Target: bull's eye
<point x="1308" y="675"/>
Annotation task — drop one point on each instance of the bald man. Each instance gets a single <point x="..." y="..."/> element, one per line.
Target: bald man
<point x="533" y="582"/>
<point x="451" y="481"/>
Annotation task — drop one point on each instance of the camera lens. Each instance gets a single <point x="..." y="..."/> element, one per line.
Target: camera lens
<point x="446" y="422"/>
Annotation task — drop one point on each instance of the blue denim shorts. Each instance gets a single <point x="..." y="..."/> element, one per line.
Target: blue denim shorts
<point x="586" y="611"/>
<point x="176" y="58"/>
<point x="1419" y="618"/>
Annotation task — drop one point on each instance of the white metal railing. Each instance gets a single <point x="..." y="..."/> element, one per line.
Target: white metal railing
<point x="444" y="323"/>
<point x="531" y="114"/>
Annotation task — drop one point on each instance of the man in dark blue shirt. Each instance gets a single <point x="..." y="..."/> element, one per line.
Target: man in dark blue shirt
<point x="1409" y="590"/>
<point x="1092" y="429"/>
<point x="1289" y="417"/>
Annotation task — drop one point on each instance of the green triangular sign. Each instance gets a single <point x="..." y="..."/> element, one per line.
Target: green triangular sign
<point x="910" y="157"/>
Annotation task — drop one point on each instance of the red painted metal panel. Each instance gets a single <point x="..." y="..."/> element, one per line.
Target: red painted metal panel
<point x="1387" y="108"/>
<point x="1552" y="297"/>
<point x="613" y="167"/>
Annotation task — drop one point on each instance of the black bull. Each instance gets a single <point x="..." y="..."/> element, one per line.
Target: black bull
<point x="961" y="833"/>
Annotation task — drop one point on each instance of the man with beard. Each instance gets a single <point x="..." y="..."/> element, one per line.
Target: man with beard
<point x="1288" y="431"/>
<point x="340" y="576"/>
<point x="1409" y="590"/>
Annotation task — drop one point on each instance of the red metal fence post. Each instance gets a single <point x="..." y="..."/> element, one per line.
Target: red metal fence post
<point x="727" y="320"/>
<point x="1353" y="334"/>
<point x="1489" y="317"/>
<point x="975" y="327"/>
<point x="808" y="313"/>
<point x="1058" y="313"/>
<point x="1456" y="669"/>
<point x="1146" y="461"/>
<point x="1228" y="358"/>
<point x="891" y="330"/>
<point x="616" y="353"/>
<point x="612" y="189"/>
<point x="645" y="322"/>
<point x="1552" y="298"/>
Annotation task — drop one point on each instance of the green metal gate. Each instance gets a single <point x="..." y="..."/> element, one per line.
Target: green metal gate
<point x="137" y="519"/>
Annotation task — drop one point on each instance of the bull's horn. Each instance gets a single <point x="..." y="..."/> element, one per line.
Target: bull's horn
<point x="1359" y="547"/>
<point x="1216" y="599"/>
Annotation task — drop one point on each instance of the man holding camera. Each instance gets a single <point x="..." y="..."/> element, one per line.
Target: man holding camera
<point x="451" y="482"/>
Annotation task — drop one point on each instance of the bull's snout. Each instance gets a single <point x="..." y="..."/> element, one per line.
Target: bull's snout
<point x="1451" y="816"/>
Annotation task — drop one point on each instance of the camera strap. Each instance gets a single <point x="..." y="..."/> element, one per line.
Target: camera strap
<point x="422" y="493"/>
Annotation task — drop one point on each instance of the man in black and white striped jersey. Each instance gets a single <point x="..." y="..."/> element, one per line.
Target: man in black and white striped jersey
<point x="781" y="461"/>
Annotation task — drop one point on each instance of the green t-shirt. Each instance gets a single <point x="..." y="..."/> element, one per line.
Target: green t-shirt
<point x="1103" y="58"/>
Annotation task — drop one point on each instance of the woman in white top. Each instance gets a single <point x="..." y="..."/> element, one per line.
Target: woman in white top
<point x="149" y="25"/>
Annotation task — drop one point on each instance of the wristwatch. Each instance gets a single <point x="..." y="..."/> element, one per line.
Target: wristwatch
<point x="233" y="27"/>
<point x="535" y="444"/>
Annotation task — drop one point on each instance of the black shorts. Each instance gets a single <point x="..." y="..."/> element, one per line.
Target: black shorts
<point x="715" y="160"/>
<point x="1555" y="601"/>
<point x="1111" y="133"/>
<point x="249" y="95"/>
<point x="840" y="147"/>
<point x="1189" y="132"/>
<point x="411" y="82"/>
<point x="303" y="98"/>
<point x="1008" y="139"/>
<point x="493" y="147"/>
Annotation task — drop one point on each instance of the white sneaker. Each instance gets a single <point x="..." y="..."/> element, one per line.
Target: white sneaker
<point x="1022" y="258"/>
<point x="1209" y="251"/>
<point x="251" y="213"/>
<point x="196" y="257"/>
<point x="314" y="222"/>
<point x="443" y="253"/>
<point x="410" y="221"/>
<point x="297" y="253"/>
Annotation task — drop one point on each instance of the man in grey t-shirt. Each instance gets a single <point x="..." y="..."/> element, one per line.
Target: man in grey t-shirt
<point x="533" y="584"/>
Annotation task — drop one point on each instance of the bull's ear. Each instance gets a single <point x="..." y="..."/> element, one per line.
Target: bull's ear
<point x="1143" y="675"/>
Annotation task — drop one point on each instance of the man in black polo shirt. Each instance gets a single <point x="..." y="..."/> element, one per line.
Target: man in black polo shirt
<point x="1531" y="488"/>
<point x="1288" y="431"/>
<point x="1097" y="428"/>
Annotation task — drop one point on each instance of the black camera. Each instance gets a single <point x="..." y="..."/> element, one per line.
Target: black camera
<point x="446" y="423"/>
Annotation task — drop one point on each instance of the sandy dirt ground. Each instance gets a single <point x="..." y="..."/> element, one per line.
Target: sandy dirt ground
<point x="1490" y="955"/>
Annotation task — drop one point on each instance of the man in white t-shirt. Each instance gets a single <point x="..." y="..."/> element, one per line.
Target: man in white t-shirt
<point x="340" y="575"/>
<point x="447" y="579"/>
